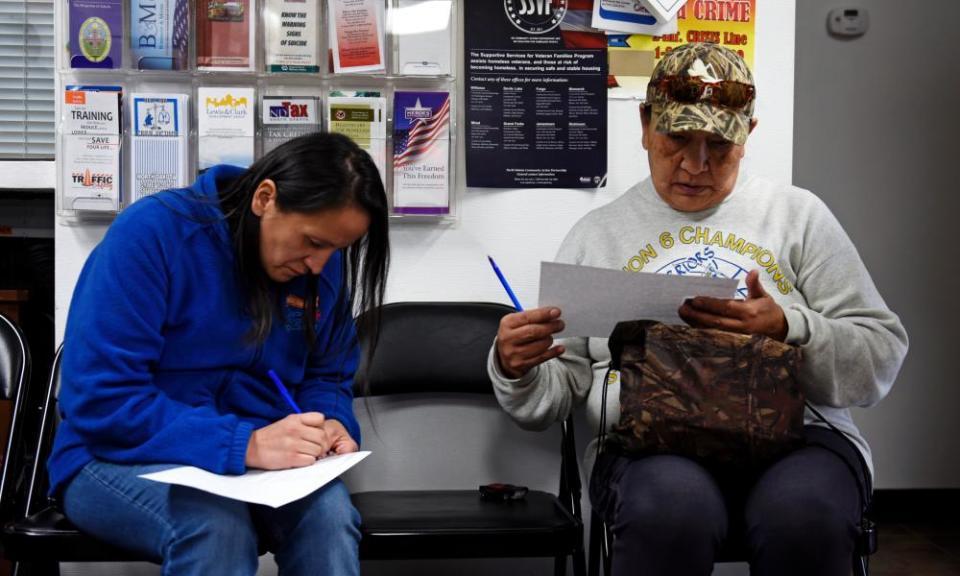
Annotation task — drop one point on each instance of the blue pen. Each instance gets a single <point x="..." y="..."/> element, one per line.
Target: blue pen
<point x="513" y="297"/>
<point x="283" y="391"/>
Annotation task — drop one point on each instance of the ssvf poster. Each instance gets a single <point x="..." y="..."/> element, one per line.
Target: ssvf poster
<point x="536" y="98"/>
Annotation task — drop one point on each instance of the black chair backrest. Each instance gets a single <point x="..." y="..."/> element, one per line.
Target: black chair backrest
<point x="14" y="381"/>
<point x="429" y="347"/>
<point x="14" y="358"/>
<point x="49" y="418"/>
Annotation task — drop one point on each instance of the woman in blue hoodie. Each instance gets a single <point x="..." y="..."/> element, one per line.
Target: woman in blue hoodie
<point x="180" y="312"/>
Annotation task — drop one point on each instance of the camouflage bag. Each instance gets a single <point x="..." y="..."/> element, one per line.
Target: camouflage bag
<point x="719" y="397"/>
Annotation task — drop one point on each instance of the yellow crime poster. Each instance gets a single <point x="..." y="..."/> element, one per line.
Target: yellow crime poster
<point x="730" y="23"/>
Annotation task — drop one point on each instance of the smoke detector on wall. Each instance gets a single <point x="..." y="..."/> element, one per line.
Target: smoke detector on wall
<point x="848" y="22"/>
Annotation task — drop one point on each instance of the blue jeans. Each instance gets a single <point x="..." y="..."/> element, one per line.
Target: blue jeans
<point x="193" y="532"/>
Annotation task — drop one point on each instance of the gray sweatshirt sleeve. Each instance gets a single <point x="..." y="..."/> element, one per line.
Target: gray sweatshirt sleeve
<point x="547" y="393"/>
<point x="853" y="345"/>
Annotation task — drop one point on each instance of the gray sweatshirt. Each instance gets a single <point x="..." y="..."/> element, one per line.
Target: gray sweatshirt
<point x="853" y="345"/>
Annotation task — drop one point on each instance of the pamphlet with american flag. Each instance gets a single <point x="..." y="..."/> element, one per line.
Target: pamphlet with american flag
<point x="421" y="153"/>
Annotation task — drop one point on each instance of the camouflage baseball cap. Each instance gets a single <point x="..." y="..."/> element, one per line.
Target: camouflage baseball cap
<point x="711" y="64"/>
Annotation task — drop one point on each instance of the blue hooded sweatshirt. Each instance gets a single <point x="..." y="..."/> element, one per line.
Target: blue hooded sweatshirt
<point x="157" y="364"/>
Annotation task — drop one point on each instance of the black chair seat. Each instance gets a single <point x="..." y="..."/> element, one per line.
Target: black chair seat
<point x="424" y="348"/>
<point x="459" y="524"/>
<point x="442" y="348"/>
<point x="396" y="524"/>
<point x="32" y="539"/>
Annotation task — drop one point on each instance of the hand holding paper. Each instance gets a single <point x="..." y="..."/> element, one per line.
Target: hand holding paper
<point x="593" y="300"/>
<point x="524" y="340"/>
<point x="758" y="314"/>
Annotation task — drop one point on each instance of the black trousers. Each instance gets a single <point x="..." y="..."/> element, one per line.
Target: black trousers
<point x="671" y="515"/>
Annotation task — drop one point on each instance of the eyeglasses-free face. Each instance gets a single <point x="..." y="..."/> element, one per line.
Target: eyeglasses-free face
<point x="691" y="90"/>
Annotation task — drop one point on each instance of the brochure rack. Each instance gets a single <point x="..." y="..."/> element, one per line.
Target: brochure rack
<point x="204" y="97"/>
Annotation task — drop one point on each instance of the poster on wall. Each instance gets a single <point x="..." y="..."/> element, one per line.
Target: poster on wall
<point x="536" y="78"/>
<point x="730" y="23"/>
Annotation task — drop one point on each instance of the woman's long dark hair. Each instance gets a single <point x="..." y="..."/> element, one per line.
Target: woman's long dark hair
<point x="318" y="171"/>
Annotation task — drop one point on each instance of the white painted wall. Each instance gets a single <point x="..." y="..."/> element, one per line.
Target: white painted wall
<point x="519" y="228"/>
<point x="876" y="138"/>
<point x="447" y="262"/>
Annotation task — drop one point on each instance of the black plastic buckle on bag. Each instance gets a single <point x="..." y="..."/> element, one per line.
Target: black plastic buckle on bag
<point x="867" y="539"/>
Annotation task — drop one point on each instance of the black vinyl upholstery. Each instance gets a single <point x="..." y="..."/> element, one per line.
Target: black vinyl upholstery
<point x="14" y="383"/>
<point x="442" y="347"/>
<point x="14" y="358"/>
<point x="423" y="348"/>
<point x="426" y="347"/>
<point x="40" y="536"/>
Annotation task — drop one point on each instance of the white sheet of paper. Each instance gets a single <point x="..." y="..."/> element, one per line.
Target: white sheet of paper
<point x="664" y="10"/>
<point x="592" y="300"/>
<point x="273" y="488"/>
<point x="630" y="16"/>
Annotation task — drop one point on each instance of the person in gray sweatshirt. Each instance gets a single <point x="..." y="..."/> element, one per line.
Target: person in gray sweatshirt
<point x="801" y="282"/>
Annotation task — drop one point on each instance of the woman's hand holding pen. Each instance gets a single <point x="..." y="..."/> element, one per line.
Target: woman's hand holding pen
<point x="340" y="440"/>
<point x="524" y="340"/>
<point x="297" y="440"/>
